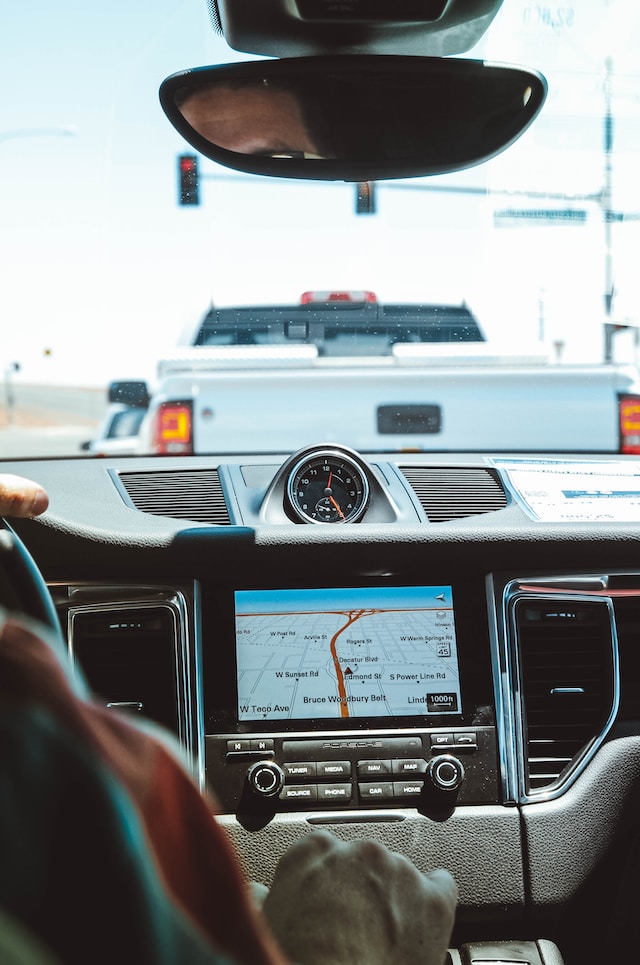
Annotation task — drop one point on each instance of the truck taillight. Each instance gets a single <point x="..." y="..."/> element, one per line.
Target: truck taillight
<point x="311" y="298"/>
<point x="629" y="408"/>
<point x="173" y="429"/>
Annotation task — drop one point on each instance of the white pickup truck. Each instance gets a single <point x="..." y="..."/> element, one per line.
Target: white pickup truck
<point x="394" y="377"/>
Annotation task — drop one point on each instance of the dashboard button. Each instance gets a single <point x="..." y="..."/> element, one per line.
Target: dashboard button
<point x="409" y="766"/>
<point x="407" y="788"/>
<point x="373" y="768"/>
<point x="238" y="747"/>
<point x="334" y="792"/>
<point x="466" y="740"/>
<point x="299" y="770"/>
<point x="299" y="792"/>
<point x="380" y="791"/>
<point x="262" y="744"/>
<point x="334" y="768"/>
<point x="441" y="740"/>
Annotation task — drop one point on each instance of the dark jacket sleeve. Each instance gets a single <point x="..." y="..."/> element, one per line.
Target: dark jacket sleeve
<point x="194" y="866"/>
<point x="74" y="870"/>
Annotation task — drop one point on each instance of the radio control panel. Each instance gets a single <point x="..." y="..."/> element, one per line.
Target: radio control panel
<point x="312" y="771"/>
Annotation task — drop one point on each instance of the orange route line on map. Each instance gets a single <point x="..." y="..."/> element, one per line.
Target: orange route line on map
<point x="353" y="615"/>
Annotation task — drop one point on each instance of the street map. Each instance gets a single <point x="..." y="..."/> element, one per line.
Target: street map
<point x="339" y="653"/>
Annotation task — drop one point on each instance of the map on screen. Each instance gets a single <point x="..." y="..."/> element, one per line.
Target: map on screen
<point x="340" y="653"/>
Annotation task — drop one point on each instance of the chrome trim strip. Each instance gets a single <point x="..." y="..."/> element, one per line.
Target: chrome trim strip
<point x="183" y="677"/>
<point x="198" y="691"/>
<point x="503" y="689"/>
<point x="356" y="817"/>
<point x="371" y="733"/>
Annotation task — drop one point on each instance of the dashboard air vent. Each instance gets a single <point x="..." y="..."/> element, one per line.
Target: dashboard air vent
<point x="456" y="492"/>
<point x="128" y="658"/>
<point x="194" y="494"/>
<point x="568" y="683"/>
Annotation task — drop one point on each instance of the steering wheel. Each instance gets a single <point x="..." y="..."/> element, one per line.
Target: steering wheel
<point x="22" y="586"/>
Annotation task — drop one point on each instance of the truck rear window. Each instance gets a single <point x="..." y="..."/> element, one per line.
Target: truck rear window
<point x="340" y="328"/>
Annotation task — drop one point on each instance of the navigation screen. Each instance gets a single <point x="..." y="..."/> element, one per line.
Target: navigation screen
<point x="340" y="653"/>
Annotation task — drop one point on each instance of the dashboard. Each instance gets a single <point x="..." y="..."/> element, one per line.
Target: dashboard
<point x="401" y="646"/>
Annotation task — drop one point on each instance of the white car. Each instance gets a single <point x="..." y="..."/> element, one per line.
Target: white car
<point x="118" y="432"/>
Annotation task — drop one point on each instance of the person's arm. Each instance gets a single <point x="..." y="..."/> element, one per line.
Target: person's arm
<point x="357" y="903"/>
<point x="20" y="497"/>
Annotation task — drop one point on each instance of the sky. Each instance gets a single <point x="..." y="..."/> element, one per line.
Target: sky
<point x="101" y="269"/>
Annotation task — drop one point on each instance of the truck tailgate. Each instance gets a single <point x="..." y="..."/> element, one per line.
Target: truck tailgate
<point x="436" y="408"/>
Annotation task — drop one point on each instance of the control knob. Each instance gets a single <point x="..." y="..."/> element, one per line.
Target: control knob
<point x="446" y="772"/>
<point x="265" y="778"/>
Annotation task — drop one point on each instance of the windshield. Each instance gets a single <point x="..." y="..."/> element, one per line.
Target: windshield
<point x="495" y="307"/>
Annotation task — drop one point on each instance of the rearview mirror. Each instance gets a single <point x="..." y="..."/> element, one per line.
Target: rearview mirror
<point x="352" y="118"/>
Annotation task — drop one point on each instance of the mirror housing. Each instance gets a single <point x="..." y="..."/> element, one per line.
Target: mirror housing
<point x="134" y="393"/>
<point x="302" y="28"/>
<point x="352" y="118"/>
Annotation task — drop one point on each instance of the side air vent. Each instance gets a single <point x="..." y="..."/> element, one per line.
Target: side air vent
<point x="567" y="666"/>
<point x="194" y="494"/>
<point x="129" y="658"/>
<point x="455" y="492"/>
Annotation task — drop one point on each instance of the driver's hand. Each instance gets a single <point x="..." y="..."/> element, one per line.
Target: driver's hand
<point x="357" y="903"/>
<point x="21" y="497"/>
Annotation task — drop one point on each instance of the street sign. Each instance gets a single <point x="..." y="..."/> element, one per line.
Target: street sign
<point x="510" y="216"/>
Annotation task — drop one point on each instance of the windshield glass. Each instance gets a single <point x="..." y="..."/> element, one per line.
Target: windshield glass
<point x="495" y="307"/>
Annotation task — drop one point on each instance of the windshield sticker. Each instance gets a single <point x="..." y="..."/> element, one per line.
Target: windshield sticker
<point x="568" y="491"/>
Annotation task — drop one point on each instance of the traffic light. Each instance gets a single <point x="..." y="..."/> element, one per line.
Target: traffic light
<point x="188" y="186"/>
<point x="365" y="197"/>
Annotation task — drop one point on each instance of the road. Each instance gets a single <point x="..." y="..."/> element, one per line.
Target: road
<point x="46" y="420"/>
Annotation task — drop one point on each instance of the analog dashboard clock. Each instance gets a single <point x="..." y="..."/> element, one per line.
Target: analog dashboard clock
<point x="327" y="486"/>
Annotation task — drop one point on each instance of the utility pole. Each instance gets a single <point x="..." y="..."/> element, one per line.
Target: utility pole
<point x="10" y="398"/>
<point x="608" y="215"/>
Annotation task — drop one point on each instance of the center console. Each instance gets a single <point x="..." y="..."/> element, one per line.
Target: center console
<point x="349" y="698"/>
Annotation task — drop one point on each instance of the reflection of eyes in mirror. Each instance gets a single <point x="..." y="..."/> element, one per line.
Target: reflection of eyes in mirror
<point x="257" y="118"/>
